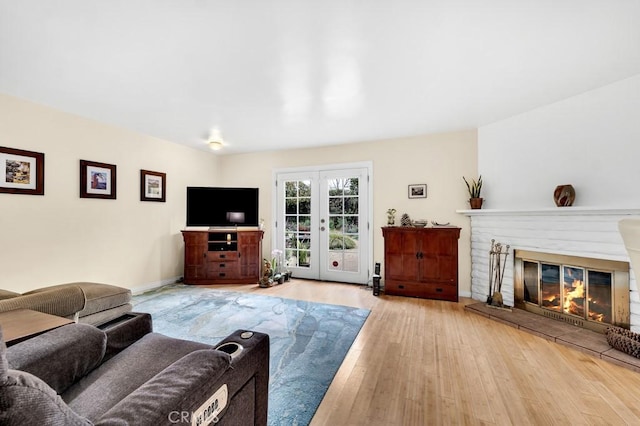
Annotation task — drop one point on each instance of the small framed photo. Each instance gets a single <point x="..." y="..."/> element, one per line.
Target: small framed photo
<point x="97" y="180"/>
<point x="153" y="186"/>
<point x="418" y="191"/>
<point x="22" y="171"/>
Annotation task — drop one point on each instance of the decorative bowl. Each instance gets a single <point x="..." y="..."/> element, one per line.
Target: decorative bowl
<point x="439" y="224"/>
<point x="420" y="223"/>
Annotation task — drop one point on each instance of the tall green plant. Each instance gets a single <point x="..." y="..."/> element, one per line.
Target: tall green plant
<point x="475" y="187"/>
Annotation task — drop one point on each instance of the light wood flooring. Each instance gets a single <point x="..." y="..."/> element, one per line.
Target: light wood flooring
<point x="426" y="362"/>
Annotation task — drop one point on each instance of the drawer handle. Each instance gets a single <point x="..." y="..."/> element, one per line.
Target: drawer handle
<point x="222" y="265"/>
<point x="222" y="274"/>
<point x="400" y="286"/>
<point x="222" y="256"/>
<point x="438" y="290"/>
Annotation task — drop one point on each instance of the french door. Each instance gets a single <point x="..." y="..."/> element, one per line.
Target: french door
<point x="322" y="223"/>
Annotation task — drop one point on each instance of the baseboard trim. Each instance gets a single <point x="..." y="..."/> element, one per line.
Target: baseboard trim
<point x="154" y="285"/>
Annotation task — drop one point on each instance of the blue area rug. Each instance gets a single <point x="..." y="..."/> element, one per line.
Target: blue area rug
<point x="308" y="340"/>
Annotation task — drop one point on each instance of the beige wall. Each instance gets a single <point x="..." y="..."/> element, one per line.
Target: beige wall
<point x="59" y="237"/>
<point x="440" y="161"/>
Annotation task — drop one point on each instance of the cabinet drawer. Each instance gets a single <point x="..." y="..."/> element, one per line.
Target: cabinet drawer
<point x="440" y="291"/>
<point x="222" y="255"/>
<point x="223" y="270"/>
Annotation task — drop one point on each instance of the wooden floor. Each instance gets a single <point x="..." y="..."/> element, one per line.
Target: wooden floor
<point x="425" y="362"/>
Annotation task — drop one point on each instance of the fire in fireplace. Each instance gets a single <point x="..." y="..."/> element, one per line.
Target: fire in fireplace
<point x="591" y="293"/>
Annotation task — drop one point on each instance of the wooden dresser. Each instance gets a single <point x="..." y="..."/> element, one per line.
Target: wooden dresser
<point x="421" y="262"/>
<point x="222" y="256"/>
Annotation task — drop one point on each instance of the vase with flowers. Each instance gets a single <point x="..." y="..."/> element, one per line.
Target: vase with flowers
<point x="277" y="263"/>
<point x="391" y="217"/>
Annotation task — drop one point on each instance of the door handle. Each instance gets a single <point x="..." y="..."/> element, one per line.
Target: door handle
<point x="322" y="228"/>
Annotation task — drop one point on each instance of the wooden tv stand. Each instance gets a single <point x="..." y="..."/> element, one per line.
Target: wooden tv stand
<point x="222" y="256"/>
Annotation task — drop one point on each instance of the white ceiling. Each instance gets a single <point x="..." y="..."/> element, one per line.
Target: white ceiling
<point x="279" y="74"/>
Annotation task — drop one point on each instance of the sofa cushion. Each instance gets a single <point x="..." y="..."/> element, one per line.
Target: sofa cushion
<point x="124" y="373"/>
<point x="97" y="297"/>
<point x="63" y="302"/>
<point x="100" y="297"/>
<point x="62" y="356"/>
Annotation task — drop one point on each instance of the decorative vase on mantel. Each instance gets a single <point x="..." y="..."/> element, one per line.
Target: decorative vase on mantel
<point x="476" y="203"/>
<point x="564" y="195"/>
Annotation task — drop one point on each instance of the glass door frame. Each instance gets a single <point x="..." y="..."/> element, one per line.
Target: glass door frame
<point x="277" y="240"/>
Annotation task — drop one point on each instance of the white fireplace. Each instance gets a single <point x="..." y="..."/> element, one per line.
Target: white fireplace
<point x="574" y="232"/>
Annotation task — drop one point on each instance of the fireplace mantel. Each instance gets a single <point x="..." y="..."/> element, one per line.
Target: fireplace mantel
<point x="547" y="211"/>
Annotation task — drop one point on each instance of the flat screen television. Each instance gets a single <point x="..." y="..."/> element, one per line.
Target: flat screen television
<point x="222" y="207"/>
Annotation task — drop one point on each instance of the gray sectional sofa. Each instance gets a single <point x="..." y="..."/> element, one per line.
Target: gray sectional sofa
<point x="124" y="374"/>
<point x="85" y="302"/>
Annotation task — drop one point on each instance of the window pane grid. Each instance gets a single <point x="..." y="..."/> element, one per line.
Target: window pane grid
<point x="343" y="224"/>
<point x="298" y="223"/>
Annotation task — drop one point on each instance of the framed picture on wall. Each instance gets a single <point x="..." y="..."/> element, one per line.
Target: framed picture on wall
<point x="153" y="186"/>
<point x="22" y="171"/>
<point x="97" y="180"/>
<point x="418" y="191"/>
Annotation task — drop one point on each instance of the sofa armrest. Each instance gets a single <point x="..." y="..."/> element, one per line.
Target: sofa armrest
<point x="63" y="302"/>
<point x="60" y="357"/>
<point x="251" y="364"/>
<point x="180" y="388"/>
<point x="191" y="385"/>
<point x="122" y="332"/>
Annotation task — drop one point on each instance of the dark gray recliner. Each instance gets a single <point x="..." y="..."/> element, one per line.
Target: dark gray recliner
<point x="62" y="377"/>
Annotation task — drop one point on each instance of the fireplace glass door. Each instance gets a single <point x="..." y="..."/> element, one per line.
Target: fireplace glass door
<point x="600" y="300"/>
<point x="585" y="292"/>
<point x="550" y="286"/>
<point x="568" y="289"/>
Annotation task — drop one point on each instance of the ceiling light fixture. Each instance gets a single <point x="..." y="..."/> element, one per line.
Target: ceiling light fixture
<point x="215" y="140"/>
<point x="216" y="145"/>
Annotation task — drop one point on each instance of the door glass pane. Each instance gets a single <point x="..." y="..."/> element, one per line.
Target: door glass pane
<point x="550" y="287"/>
<point x="351" y="205"/>
<point x="298" y="222"/>
<point x="343" y="211"/>
<point x="351" y="224"/>
<point x="336" y="223"/>
<point x="304" y="205"/>
<point x="291" y="206"/>
<point x="531" y="282"/>
<point x="335" y="205"/>
<point x="574" y="291"/>
<point x="600" y="296"/>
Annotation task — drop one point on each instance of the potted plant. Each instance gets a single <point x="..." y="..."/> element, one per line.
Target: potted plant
<point x="475" y="187"/>
<point x="277" y="261"/>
